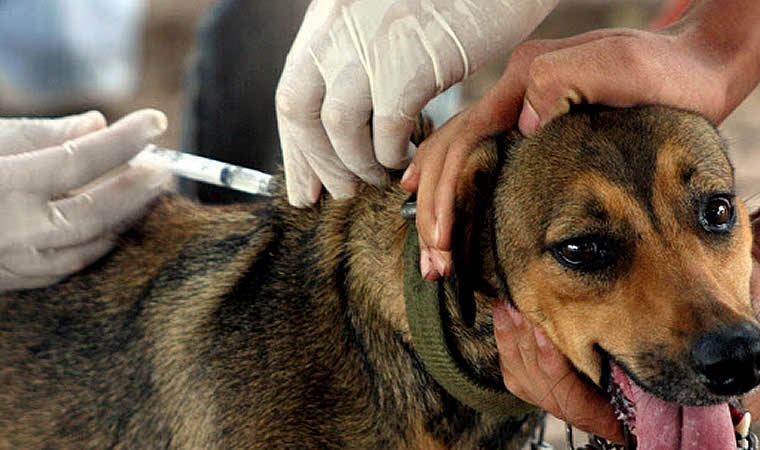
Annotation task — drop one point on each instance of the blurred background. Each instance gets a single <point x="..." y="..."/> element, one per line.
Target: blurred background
<point x="212" y="67"/>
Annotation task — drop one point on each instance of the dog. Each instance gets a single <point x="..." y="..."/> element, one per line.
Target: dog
<point x="617" y="231"/>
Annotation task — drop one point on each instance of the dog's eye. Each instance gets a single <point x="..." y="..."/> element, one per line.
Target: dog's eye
<point x="717" y="213"/>
<point x="586" y="253"/>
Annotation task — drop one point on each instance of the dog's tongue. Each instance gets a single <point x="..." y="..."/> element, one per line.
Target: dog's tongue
<point x="667" y="426"/>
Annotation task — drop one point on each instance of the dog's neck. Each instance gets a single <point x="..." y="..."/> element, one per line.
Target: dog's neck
<point x="430" y="325"/>
<point x="378" y="226"/>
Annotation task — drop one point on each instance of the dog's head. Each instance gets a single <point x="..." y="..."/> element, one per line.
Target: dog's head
<point x="619" y="233"/>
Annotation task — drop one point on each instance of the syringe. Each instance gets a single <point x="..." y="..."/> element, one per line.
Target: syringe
<point x="205" y="170"/>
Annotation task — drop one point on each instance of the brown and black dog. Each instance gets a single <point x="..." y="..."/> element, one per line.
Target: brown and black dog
<point x="617" y="231"/>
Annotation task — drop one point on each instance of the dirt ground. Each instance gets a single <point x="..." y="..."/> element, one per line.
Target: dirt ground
<point x="171" y="26"/>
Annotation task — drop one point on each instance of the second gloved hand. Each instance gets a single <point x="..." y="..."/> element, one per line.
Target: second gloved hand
<point x="359" y="71"/>
<point x="52" y="225"/>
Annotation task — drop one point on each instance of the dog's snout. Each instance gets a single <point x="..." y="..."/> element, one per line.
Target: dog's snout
<point x="728" y="360"/>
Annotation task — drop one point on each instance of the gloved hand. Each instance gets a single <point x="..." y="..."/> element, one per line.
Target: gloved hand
<point x="356" y="63"/>
<point x="47" y="234"/>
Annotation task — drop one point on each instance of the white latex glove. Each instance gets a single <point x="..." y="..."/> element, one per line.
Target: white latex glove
<point x="47" y="236"/>
<point x="359" y="71"/>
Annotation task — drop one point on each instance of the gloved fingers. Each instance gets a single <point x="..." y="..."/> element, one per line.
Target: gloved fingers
<point x="391" y="133"/>
<point x="299" y="99"/>
<point x="105" y="207"/>
<point x="346" y="114"/>
<point x="29" y="263"/>
<point x="297" y="103"/>
<point x="24" y="135"/>
<point x="425" y="67"/>
<point x="340" y="182"/>
<point x="79" y="161"/>
<point x="302" y="184"/>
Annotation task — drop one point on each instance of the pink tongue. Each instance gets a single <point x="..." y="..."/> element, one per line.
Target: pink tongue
<point x="668" y="426"/>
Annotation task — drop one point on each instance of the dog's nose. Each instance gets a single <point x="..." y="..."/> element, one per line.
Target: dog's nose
<point x="728" y="359"/>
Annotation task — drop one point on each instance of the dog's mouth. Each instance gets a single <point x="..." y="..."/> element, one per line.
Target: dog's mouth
<point x="654" y="424"/>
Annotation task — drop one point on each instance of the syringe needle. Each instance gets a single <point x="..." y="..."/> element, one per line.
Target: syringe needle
<point x="205" y="170"/>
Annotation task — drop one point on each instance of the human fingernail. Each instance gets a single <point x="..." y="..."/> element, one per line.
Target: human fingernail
<point x="440" y="263"/>
<point x="433" y="275"/>
<point x="541" y="339"/>
<point x="529" y="120"/>
<point x="515" y="315"/>
<point x="143" y="180"/>
<point x="409" y="174"/>
<point x="425" y="265"/>
<point x="501" y="320"/>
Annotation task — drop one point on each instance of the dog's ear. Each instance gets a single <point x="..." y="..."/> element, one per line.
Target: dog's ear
<point x="473" y="197"/>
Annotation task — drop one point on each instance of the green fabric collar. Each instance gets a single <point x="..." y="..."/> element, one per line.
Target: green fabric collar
<point x="424" y="306"/>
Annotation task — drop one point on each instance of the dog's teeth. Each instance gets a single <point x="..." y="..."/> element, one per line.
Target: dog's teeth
<point x="742" y="428"/>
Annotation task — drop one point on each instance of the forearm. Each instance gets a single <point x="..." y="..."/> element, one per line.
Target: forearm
<point x="726" y="34"/>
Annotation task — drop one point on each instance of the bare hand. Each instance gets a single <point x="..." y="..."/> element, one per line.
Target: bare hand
<point x="536" y="372"/>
